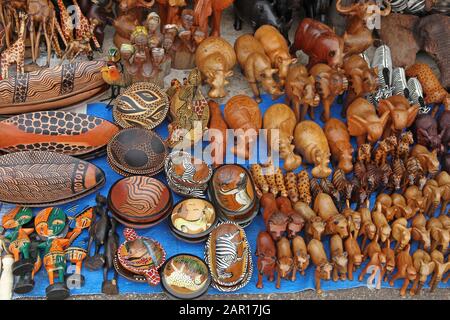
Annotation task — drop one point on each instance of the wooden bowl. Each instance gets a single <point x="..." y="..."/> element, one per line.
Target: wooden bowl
<point x="136" y="151"/>
<point x="139" y="200"/>
<point x="193" y="219"/>
<point x="185" y="276"/>
<point x="143" y="104"/>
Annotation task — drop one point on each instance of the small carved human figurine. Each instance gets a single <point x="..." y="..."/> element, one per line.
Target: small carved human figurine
<point x="267" y="259"/>
<point x="55" y="263"/>
<point x="112" y="244"/>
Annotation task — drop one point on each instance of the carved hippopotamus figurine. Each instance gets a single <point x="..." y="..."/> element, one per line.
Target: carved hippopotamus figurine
<point x="312" y="144"/>
<point x="339" y="142"/>
<point x="215" y="58"/>
<point x="256" y="66"/>
<point x="319" y="42"/>
<point x="266" y="254"/>
<point x="276" y="48"/>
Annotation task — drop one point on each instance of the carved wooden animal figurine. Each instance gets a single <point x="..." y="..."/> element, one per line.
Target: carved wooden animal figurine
<point x="205" y="8"/>
<point x="339" y="258"/>
<point x="402" y="114"/>
<point x="215" y="58"/>
<point x="312" y="144"/>
<point x="320" y="260"/>
<point x="377" y="261"/>
<point x="276" y="48"/>
<point x="433" y="194"/>
<point x="354" y="221"/>
<point x="368" y="229"/>
<point x="426" y="132"/>
<point x="277" y="225"/>
<point x="256" y="66"/>
<point x="405" y="270"/>
<point x="304" y="187"/>
<point x="433" y="91"/>
<point x="112" y="244"/>
<point x="358" y="35"/>
<point x="15" y="53"/>
<point x="415" y="199"/>
<point x="267" y="259"/>
<point x="330" y="83"/>
<point x="242" y="112"/>
<point x="342" y="185"/>
<point x="401" y="233"/>
<point x="420" y="233"/>
<point x="414" y="173"/>
<point x="440" y="269"/>
<point x="383" y="228"/>
<point x="401" y="209"/>
<point x="291" y="184"/>
<point x="386" y="206"/>
<point x="363" y="79"/>
<point x="339" y="142"/>
<point x="390" y="260"/>
<point x="324" y="206"/>
<point x="301" y="256"/>
<point x="319" y="42"/>
<point x="443" y="180"/>
<point x="301" y="92"/>
<point x="364" y="123"/>
<point x="355" y="256"/>
<point x="440" y="236"/>
<point x="280" y="117"/>
<point x="424" y="267"/>
<point x="285" y="261"/>
<point x="218" y="124"/>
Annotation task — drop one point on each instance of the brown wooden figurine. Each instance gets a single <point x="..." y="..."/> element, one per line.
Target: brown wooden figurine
<point x="405" y="269"/>
<point x="218" y="134"/>
<point x="355" y="256"/>
<point x="420" y="233"/>
<point x="339" y="258"/>
<point x="440" y="269"/>
<point x="285" y="261"/>
<point x="301" y="92"/>
<point x="204" y="9"/>
<point x="276" y="48"/>
<point x="336" y="223"/>
<point x="256" y="66"/>
<point x="400" y="233"/>
<point x="364" y="123"/>
<point x="215" y="58"/>
<point x="383" y="227"/>
<point x="433" y="194"/>
<point x="402" y="114"/>
<point x="368" y="229"/>
<point x="440" y="237"/>
<point x="330" y="83"/>
<point x="301" y="256"/>
<point x="267" y="259"/>
<point x="390" y="260"/>
<point x="242" y="112"/>
<point x="428" y="160"/>
<point x="320" y="260"/>
<point x="424" y="267"/>
<point x="312" y="144"/>
<point x="280" y="117"/>
<point x="339" y="142"/>
<point x="377" y="261"/>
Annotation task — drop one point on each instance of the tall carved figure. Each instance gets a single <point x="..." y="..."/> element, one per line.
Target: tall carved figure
<point x="16" y="52"/>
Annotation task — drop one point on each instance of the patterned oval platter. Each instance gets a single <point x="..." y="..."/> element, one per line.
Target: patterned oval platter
<point x="185" y="276"/>
<point x="39" y="179"/>
<point x="143" y="104"/>
<point x="74" y="134"/>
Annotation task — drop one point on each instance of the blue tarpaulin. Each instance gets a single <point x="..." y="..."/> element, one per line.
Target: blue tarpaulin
<point x="174" y="246"/>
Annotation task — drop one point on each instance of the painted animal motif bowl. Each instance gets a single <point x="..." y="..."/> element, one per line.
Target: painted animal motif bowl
<point x="38" y="179"/>
<point x="137" y="151"/>
<point x="185" y="276"/>
<point x="193" y="219"/>
<point x="139" y="200"/>
<point x="126" y="273"/>
<point x="74" y="134"/>
<point x="187" y="175"/>
<point x="143" y="104"/>
<point x="228" y="256"/>
<point x="17" y="217"/>
<point x="233" y="194"/>
<point x="142" y="256"/>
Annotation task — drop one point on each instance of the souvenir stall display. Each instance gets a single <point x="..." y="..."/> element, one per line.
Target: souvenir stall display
<point x="332" y="174"/>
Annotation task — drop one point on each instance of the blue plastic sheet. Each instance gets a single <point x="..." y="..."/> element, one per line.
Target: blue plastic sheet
<point x="174" y="246"/>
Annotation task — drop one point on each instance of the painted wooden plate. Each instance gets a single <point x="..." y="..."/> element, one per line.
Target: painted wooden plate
<point x="143" y="104"/>
<point x="69" y="133"/>
<point x="39" y="179"/>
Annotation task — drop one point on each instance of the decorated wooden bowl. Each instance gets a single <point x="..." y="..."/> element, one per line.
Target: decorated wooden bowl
<point x="142" y="256"/>
<point x="143" y="104"/>
<point x="50" y="222"/>
<point x="137" y="151"/>
<point x="228" y="256"/>
<point x="126" y="273"/>
<point x="232" y="192"/>
<point x="193" y="219"/>
<point x="39" y="179"/>
<point x="140" y="200"/>
<point x="185" y="276"/>
<point x="186" y="175"/>
<point x="69" y="133"/>
<point x="17" y="217"/>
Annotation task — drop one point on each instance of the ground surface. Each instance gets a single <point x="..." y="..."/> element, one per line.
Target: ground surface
<point x="238" y="85"/>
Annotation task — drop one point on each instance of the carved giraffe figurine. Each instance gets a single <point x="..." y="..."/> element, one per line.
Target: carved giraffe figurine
<point x="16" y="52"/>
<point x="84" y="29"/>
<point x="66" y="22"/>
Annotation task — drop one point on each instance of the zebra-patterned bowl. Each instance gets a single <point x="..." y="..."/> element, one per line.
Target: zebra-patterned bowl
<point x="139" y="200"/>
